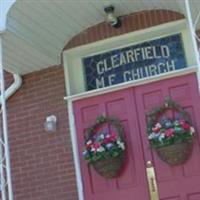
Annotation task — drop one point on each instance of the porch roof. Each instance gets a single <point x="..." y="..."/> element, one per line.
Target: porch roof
<point x="36" y="31"/>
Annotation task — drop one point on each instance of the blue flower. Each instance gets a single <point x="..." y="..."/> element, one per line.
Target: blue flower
<point x="178" y="117"/>
<point x="154" y="136"/>
<point x="109" y="146"/>
<point x="166" y="123"/>
<point x="85" y="153"/>
<point x="176" y="123"/>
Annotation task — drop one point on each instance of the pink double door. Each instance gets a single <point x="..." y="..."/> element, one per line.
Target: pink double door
<point x="130" y="106"/>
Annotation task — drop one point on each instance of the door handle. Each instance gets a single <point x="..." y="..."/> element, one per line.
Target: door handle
<point x="153" y="189"/>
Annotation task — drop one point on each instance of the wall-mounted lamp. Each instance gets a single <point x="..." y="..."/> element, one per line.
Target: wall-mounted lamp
<point x="50" y="124"/>
<point x="111" y="18"/>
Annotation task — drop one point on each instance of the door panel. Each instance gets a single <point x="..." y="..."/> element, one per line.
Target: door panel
<point x="171" y="198"/>
<point x="177" y="182"/>
<point x="132" y="180"/>
<point x="194" y="196"/>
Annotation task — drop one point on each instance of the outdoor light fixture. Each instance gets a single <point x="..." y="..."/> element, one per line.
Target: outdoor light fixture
<point x="111" y="18"/>
<point x="50" y="124"/>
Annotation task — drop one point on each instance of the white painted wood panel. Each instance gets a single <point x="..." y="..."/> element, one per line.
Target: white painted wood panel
<point x="44" y="27"/>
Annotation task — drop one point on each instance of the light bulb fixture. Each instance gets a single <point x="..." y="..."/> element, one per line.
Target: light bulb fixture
<point x="111" y="18"/>
<point x="50" y="124"/>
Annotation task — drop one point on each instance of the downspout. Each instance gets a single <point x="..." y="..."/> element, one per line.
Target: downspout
<point x="5" y="6"/>
<point x="13" y="87"/>
<point x="5" y="94"/>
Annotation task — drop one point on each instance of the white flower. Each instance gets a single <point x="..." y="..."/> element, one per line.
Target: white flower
<point x="121" y="145"/>
<point x="161" y="137"/>
<point x="153" y="136"/>
<point x="158" y="125"/>
<point x="192" y="130"/>
<point x="101" y="149"/>
<point x="89" y="142"/>
<point x="118" y="141"/>
<point x="102" y="136"/>
<point x="93" y="149"/>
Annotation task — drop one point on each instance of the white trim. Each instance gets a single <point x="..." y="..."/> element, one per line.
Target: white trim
<point x="75" y="151"/>
<point x="67" y="80"/>
<point x="132" y="83"/>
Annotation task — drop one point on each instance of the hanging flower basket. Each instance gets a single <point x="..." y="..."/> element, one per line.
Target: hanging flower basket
<point x="104" y="146"/>
<point x="175" y="154"/>
<point x="109" y="167"/>
<point x="172" y="138"/>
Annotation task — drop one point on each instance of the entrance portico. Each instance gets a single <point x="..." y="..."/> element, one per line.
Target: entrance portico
<point x="35" y="42"/>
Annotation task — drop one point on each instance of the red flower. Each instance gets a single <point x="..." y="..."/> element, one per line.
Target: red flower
<point x="186" y="126"/>
<point x="156" y="129"/>
<point x="181" y="121"/>
<point x="110" y="138"/>
<point x="89" y="144"/>
<point x="97" y="129"/>
<point x="169" y="132"/>
<point x="113" y="136"/>
<point x="96" y="145"/>
<point x="107" y="140"/>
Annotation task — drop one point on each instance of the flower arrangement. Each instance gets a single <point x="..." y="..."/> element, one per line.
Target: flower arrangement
<point x="172" y="138"/>
<point x="103" y="142"/>
<point x="167" y="132"/>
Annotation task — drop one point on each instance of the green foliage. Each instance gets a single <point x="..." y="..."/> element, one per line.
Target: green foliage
<point x="100" y="145"/>
<point x="178" y="134"/>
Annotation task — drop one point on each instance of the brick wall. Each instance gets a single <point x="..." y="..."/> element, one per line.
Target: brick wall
<point x="132" y="22"/>
<point x="42" y="163"/>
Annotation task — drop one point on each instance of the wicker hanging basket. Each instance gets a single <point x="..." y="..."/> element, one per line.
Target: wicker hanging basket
<point x="175" y="154"/>
<point x="172" y="139"/>
<point x="109" y="168"/>
<point x="108" y="163"/>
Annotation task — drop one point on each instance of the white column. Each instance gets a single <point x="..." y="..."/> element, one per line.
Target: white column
<point x="2" y="175"/>
<point x="5" y="126"/>
<point x="192" y="31"/>
<point x="75" y="150"/>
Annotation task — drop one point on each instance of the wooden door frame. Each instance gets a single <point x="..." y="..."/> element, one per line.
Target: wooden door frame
<point x="73" y="133"/>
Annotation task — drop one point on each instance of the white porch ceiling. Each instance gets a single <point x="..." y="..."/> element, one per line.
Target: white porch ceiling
<point x="37" y="30"/>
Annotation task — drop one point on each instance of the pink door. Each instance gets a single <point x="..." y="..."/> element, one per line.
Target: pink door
<point x="130" y="106"/>
<point x="132" y="182"/>
<point x="180" y="182"/>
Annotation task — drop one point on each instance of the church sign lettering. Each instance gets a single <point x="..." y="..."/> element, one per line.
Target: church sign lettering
<point x="134" y="62"/>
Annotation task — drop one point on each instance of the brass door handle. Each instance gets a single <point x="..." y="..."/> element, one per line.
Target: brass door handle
<point x="153" y="189"/>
